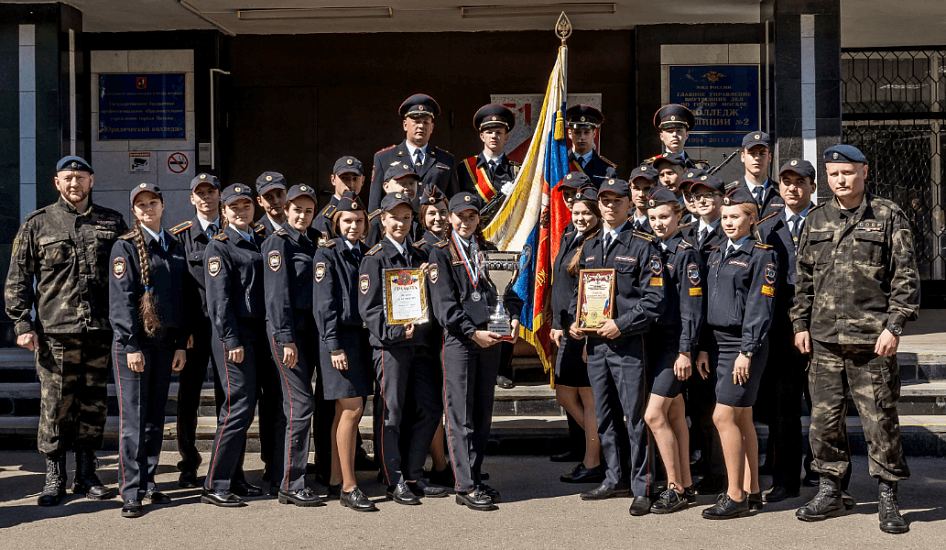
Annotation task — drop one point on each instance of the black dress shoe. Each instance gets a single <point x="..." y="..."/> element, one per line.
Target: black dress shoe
<point x="640" y="506"/>
<point x="477" y="500"/>
<point x="187" y="479"/>
<point x="303" y="497"/>
<point x="421" y="489"/>
<point x="334" y="491"/>
<point x="357" y="501"/>
<point x="690" y="494"/>
<point x="778" y="493"/>
<point x="402" y="494"/>
<point x="711" y="484"/>
<point x="505" y="383"/>
<point x="670" y="501"/>
<point x="242" y="488"/>
<point x="581" y="474"/>
<point x="493" y="494"/>
<point x="444" y="477"/>
<point x="131" y="508"/>
<point x="727" y="508"/>
<point x="226" y="499"/>
<point x="602" y="492"/>
<point x="567" y="456"/>
<point x="157" y="497"/>
<point x="755" y="502"/>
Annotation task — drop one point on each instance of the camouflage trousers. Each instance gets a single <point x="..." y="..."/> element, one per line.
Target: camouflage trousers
<point x="874" y="382"/>
<point x="73" y="373"/>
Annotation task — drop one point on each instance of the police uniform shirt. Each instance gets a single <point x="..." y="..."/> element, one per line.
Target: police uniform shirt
<point x="374" y="229"/>
<point x="438" y="168"/>
<point x="387" y="254"/>
<point x="771" y="201"/>
<point x="563" y="284"/>
<point x="427" y="242"/>
<point x="684" y="275"/>
<point x="234" y="280"/>
<point x="742" y="279"/>
<point x="195" y="235"/>
<point x="642" y="224"/>
<point x="60" y="266"/>
<point x="639" y="293"/>
<point x="288" y="282"/>
<point x="126" y="288"/>
<point x="336" y="289"/>
<point x="597" y="168"/>
<point x="713" y="237"/>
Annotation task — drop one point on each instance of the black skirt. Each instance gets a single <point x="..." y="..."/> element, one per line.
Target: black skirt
<point x="358" y="379"/>
<point x="724" y="359"/>
<point x="570" y="369"/>
<point x="663" y="345"/>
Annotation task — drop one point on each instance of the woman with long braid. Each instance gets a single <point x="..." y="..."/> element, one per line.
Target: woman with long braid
<point x="145" y="309"/>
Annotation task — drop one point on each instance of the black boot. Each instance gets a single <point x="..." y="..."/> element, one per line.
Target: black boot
<point x="826" y="504"/>
<point x="86" y="481"/>
<point x="889" y="511"/>
<point x="55" y="487"/>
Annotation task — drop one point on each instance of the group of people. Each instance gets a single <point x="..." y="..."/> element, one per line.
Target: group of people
<point x="721" y="291"/>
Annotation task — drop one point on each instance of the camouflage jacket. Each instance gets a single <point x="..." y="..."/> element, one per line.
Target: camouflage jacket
<point x="66" y="253"/>
<point x="856" y="274"/>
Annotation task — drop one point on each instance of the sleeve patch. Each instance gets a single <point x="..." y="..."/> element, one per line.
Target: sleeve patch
<point x="364" y="283"/>
<point x="213" y="266"/>
<point x="770" y="273"/>
<point x="656" y="281"/>
<point x="696" y="291"/>
<point x="319" y="271"/>
<point x="433" y="273"/>
<point x="768" y="291"/>
<point x="274" y="260"/>
<point x="693" y="274"/>
<point x="119" y="267"/>
<point x="656" y="266"/>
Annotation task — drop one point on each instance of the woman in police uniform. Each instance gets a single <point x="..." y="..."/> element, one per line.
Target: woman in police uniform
<point x="462" y="296"/>
<point x="572" y="387"/>
<point x="146" y="313"/>
<point x="343" y="346"/>
<point x="233" y="278"/>
<point x="670" y="344"/>
<point x="288" y="280"/>
<point x="742" y="275"/>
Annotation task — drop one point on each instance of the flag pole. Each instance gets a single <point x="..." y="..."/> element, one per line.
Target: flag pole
<point x="563" y="29"/>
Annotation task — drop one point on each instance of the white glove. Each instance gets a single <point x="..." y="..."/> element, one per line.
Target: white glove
<point x="508" y="188"/>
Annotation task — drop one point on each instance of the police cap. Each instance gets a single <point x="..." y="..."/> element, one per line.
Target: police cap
<point x="349" y="203"/>
<point x="758" y="137"/>
<point x="675" y="159"/>
<point x="400" y="170"/>
<point x="674" y="116"/>
<point x="301" y="190"/>
<point x="644" y="171"/>
<point x="270" y="180"/>
<point x="465" y="201"/>
<point x="700" y="177"/>
<point x="143" y="187"/>
<point x="616" y="186"/>
<point x="204" y="177"/>
<point x="844" y="153"/>
<point x="494" y="116"/>
<point x="575" y="180"/>
<point x="73" y="163"/>
<point x="739" y="195"/>
<point x="419" y="105"/>
<point x="348" y="165"/>
<point x="236" y="192"/>
<point x="583" y="116"/>
<point x="391" y="200"/>
<point x="659" y="196"/>
<point x="800" y="166"/>
<point x="587" y="193"/>
<point x="431" y="194"/>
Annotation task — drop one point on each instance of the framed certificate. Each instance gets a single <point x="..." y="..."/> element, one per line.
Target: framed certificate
<point x="595" y="298"/>
<point x="405" y="296"/>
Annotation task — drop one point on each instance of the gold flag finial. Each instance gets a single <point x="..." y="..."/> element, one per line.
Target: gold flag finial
<point x="563" y="28"/>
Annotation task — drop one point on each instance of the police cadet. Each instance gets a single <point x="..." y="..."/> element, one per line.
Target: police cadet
<point x="584" y="123"/>
<point x="641" y="181"/>
<point x="490" y="174"/>
<point x="195" y="234"/>
<point x="741" y="282"/>
<point x="857" y="285"/>
<point x="783" y="380"/>
<point x="572" y="387"/>
<point x="462" y="296"/>
<point x="674" y="123"/>
<point x="347" y="175"/>
<point x="705" y="192"/>
<point x="146" y="309"/>
<point x="234" y="282"/>
<point x="670" y="168"/>
<point x="756" y="155"/>
<point x="616" y="360"/>
<point x="433" y="216"/>
<point x="347" y="370"/>
<point x="290" y="328"/>
<point x="671" y="345"/>
<point x="432" y="164"/>
<point x="70" y="298"/>
<point x="271" y="195"/>
<point x="399" y="178"/>
<point x="405" y="383"/>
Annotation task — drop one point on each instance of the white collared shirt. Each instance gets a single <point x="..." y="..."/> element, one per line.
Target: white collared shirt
<point x="276" y="225"/>
<point x="789" y="214"/>
<point x="708" y="227"/>
<point x="411" y="149"/>
<point x="204" y="224"/>
<point x="155" y="236"/>
<point x="244" y="234"/>
<point x="397" y="245"/>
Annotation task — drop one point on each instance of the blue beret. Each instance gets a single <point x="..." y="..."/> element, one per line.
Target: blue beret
<point x="73" y="164"/>
<point x="844" y="153"/>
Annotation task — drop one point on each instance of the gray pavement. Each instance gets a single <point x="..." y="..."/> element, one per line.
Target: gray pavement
<point x="538" y="512"/>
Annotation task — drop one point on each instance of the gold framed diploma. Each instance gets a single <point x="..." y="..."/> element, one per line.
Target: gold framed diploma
<point x="595" y="298"/>
<point x="405" y="296"/>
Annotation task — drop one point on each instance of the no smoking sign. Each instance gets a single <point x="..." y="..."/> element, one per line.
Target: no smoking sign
<point x="177" y="163"/>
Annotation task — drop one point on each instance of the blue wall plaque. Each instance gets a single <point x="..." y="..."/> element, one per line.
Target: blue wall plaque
<point x="724" y="98"/>
<point x="142" y="106"/>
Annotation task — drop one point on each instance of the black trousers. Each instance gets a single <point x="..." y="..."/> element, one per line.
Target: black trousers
<point x="142" y="397"/>
<point x="617" y="370"/>
<point x="236" y="414"/>
<point x="190" y="383"/>
<point x="298" y="406"/>
<point x="469" y="385"/>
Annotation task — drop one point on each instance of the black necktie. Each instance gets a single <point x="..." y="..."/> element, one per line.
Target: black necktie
<point x="757" y="193"/>
<point x="211" y="231"/>
<point x="701" y="236"/>
<point x="729" y="250"/>
<point x="418" y="157"/>
<point x="797" y="222"/>
<point x="356" y="252"/>
<point x="607" y="242"/>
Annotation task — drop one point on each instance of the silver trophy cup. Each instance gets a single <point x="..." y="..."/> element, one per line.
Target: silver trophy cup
<point x="502" y="268"/>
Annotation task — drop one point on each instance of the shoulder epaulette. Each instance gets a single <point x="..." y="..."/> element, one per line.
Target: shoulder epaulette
<point x="328" y="210"/>
<point x="763" y="246"/>
<point x="770" y="216"/>
<point x="420" y="243"/>
<point x="222" y="237"/>
<point x="730" y="185"/>
<point x="128" y="236"/>
<point x="443" y="151"/>
<point x="817" y="206"/>
<point x="280" y="231"/>
<point x="329" y="244"/>
<point x="442" y="244"/>
<point x="181" y="227"/>
<point x="374" y="250"/>
<point x="684" y="226"/>
<point x="608" y="162"/>
<point x="514" y="163"/>
<point x="684" y="244"/>
<point x="372" y="215"/>
<point x="386" y="149"/>
<point x="645" y="236"/>
<point x="652" y="159"/>
<point x="258" y="227"/>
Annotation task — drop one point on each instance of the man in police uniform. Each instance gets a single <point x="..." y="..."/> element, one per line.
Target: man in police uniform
<point x="195" y="234"/>
<point x="584" y="122"/>
<point x="490" y="173"/>
<point x="347" y="175"/>
<point x="432" y="164"/>
<point x="857" y="285"/>
<point x="641" y="180"/>
<point x="64" y="250"/>
<point x="674" y="123"/>
<point x="271" y="195"/>
<point x="756" y="156"/>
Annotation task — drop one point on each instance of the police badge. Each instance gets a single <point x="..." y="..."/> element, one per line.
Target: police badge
<point x="275" y="260"/>
<point x="770" y="273"/>
<point x="319" y="271"/>
<point x="656" y="266"/>
<point x="364" y="283"/>
<point x="119" y="267"/>
<point x="693" y="273"/>
<point x="213" y="266"/>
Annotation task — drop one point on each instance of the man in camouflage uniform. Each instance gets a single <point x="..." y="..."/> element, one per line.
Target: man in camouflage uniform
<point x="857" y="285"/>
<point x="64" y="248"/>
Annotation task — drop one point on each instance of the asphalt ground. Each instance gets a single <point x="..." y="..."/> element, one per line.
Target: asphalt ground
<point x="537" y="511"/>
